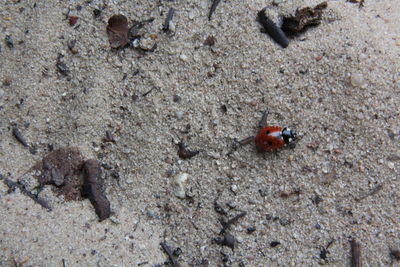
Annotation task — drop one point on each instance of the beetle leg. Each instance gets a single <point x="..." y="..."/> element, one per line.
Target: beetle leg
<point x="263" y="121"/>
<point x="237" y="144"/>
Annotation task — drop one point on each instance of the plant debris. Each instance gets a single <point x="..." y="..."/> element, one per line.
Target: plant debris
<point x="395" y="253"/>
<point x="303" y="18"/>
<point x="74" y="178"/>
<point x="174" y="262"/>
<point x="17" y="134"/>
<point x="210" y="41"/>
<point x="168" y="20"/>
<point x="228" y="240"/>
<point x="213" y="8"/>
<point x="184" y="152"/>
<point x="272" y="29"/>
<point x="93" y="188"/>
<point x="227" y="224"/>
<point x="62" y="67"/>
<point x="355" y="254"/>
<point x="360" y="2"/>
<point x="13" y="185"/>
<point x="117" y="30"/>
<point x="61" y="168"/>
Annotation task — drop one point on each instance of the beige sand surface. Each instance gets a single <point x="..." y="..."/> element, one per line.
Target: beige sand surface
<point x="350" y="134"/>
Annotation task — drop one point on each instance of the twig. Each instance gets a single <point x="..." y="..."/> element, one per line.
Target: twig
<point x="168" y="19"/>
<point x="373" y="191"/>
<point x="171" y="257"/>
<point x="17" y="134"/>
<point x="227" y="224"/>
<point x="213" y="8"/>
<point x="355" y="254"/>
<point x="272" y="29"/>
<point x="12" y="185"/>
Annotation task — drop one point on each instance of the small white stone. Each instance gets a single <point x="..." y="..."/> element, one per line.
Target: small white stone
<point x="184" y="57"/>
<point x="179" y="185"/>
<point x="1" y="93"/>
<point x="129" y="181"/>
<point x="171" y="26"/>
<point x="179" y="115"/>
<point x="390" y="165"/>
<point x="234" y="188"/>
<point x="357" y="80"/>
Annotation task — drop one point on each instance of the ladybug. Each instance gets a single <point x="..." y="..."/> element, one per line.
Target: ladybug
<point x="273" y="138"/>
<point x="269" y="138"/>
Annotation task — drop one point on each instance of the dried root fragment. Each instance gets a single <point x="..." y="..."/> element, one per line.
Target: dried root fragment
<point x="93" y="188"/>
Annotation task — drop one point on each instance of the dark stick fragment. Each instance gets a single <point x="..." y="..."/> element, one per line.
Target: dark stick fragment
<point x="168" y="19"/>
<point x="12" y="185"/>
<point x="213" y="8"/>
<point x="227" y="224"/>
<point x="373" y="191"/>
<point x="93" y="189"/>
<point x="228" y="240"/>
<point x="185" y="153"/>
<point x="219" y="209"/>
<point x="355" y="254"/>
<point x="272" y="29"/>
<point x="17" y="134"/>
<point x="395" y="253"/>
<point x="171" y="257"/>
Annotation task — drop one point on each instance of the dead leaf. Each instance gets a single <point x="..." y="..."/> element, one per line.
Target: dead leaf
<point x="304" y="18"/>
<point x="117" y="31"/>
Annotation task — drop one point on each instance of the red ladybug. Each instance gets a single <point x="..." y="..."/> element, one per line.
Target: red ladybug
<point x="269" y="138"/>
<point x="273" y="138"/>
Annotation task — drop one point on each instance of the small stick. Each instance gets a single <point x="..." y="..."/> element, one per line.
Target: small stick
<point x="168" y="19"/>
<point x="213" y="8"/>
<point x="12" y="185"/>
<point x="171" y="257"/>
<point x="17" y="134"/>
<point x="226" y="225"/>
<point x="373" y="191"/>
<point x="272" y="29"/>
<point x="355" y="253"/>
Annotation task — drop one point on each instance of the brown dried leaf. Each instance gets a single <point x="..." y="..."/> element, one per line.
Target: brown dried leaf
<point x="304" y="18"/>
<point x="117" y="31"/>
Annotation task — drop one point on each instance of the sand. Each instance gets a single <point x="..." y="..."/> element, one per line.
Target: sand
<point x="338" y="85"/>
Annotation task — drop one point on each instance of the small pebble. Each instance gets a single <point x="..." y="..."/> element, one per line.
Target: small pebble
<point x="234" y="188"/>
<point x="184" y="57"/>
<point x="284" y="221"/>
<point x="179" y="115"/>
<point x="357" y="80"/>
<point x="179" y="184"/>
<point x="9" y="41"/>
<point x="274" y="243"/>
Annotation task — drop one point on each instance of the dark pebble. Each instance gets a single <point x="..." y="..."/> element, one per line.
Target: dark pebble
<point x="284" y="221"/>
<point x="96" y="13"/>
<point x="274" y="243"/>
<point x="9" y="41"/>
<point x="251" y="230"/>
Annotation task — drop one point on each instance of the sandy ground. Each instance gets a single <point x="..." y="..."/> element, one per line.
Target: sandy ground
<point x="349" y="146"/>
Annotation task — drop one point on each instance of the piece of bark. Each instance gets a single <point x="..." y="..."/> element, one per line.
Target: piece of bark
<point x="93" y="189"/>
<point x="117" y="30"/>
<point x="61" y="168"/>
